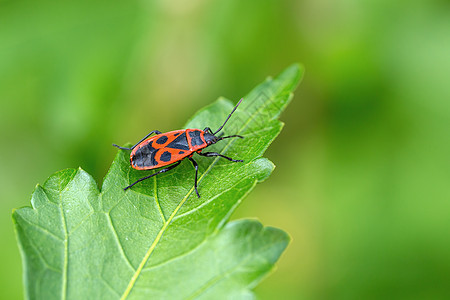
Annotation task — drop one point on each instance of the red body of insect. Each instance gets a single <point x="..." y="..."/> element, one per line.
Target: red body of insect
<point x="170" y="148"/>
<point x="166" y="148"/>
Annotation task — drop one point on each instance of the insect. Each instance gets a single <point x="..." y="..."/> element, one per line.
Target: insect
<point x="170" y="148"/>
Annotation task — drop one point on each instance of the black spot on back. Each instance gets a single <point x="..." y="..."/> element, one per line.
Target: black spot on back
<point x="162" y="140"/>
<point x="176" y="134"/>
<point x="145" y="156"/>
<point x="195" y="138"/>
<point x="166" y="156"/>
<point x="181" y="152"/>
<point x="179" y="143"/>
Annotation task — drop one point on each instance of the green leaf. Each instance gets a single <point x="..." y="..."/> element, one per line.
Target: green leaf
<point x="157" y="239"/>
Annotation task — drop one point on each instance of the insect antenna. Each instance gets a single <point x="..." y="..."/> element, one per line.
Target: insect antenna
<point x="220" y="128"/>
<point x="230" y="136"/>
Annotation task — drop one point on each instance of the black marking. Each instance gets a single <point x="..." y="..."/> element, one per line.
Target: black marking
<point x="196" y="140"/>
<point x="176" y="134"/>
<point x="162" y="140"/>
<point x="181" y="152"/>
<point x="145" y="156"/>
<point x="166" y="156"/>
<point x="179" y="143"/>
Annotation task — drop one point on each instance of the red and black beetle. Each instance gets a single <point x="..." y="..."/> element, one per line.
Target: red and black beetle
<point x="172" y="147"/>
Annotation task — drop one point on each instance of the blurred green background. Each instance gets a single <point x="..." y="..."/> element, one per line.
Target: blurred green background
<point x="362" y="182"/>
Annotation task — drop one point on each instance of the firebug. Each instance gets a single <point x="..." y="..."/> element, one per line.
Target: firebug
<point x="170" y="148"/>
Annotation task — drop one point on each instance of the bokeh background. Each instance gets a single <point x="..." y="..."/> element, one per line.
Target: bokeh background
<point x="362" y="182"/>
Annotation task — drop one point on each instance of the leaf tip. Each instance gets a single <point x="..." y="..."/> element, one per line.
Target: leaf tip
<point x="282" y="236"/>
<point x="13" y="214"/>
<point x="293" y="74"/>
<point x="295" y="68"/>
<point x="265" y="168"/>
<point x="17" y="213"/>
<point x="60" y="179"/>
<point x="277" y="239"/>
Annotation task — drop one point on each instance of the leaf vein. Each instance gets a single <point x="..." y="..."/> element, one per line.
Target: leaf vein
<point x="209" y="200"/>
<point x="81" y="223"/>
<point x="117" y="203"/>
<point x="66" y="244"/>
<point x="155" y="192"/>
<point x="176" y="257"/>
<point x="41" y="257"/>
<point x="44" y="230"/>
<point x="215" y="280"/>
<point x="108" y="285"/>
<point x="118" y="242"/>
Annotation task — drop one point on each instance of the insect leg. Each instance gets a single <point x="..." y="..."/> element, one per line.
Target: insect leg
<point x="211" y="154"/>
<point x="124" y="148"/>
<point x="154" y="174"/>
<point x="196" y="174"/>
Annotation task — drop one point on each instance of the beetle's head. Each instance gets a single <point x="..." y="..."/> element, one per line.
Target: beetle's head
<point x="210" y="138"/>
